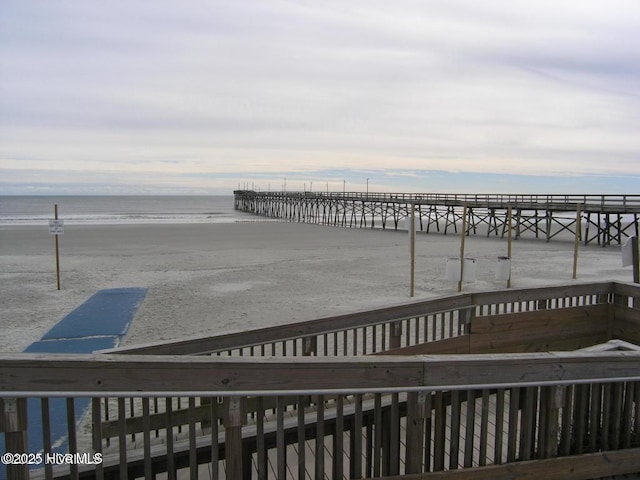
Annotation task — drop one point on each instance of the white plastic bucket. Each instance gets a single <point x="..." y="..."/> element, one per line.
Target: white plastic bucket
<point x="452" y="269"/>
<point x="503" y="268"/>
<point x="469" y="271"/>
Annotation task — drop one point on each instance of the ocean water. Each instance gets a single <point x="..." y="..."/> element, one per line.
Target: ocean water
<point x="106" y="210"/>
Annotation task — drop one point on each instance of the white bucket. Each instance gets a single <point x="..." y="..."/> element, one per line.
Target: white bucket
<point x="469" y="271"/>
<point x="503" y="268"/>
<point x="452" y="269"/>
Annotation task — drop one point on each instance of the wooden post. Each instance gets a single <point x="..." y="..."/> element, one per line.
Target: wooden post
<point x="13" y="422"/>
<point x="412" y="244"/>
<point x="310" y="345"/>
<point x="234" y="418"/>
<point x="636" y="259"/>
<point x="576" y="242"/>
<point x="509" y="242"/>
<point x="395" y="337"/>
<point x="55" y="216"/>
<point x="555" y="401"/>
<point x="464" y="234"/>
<point x="416" y="402"/>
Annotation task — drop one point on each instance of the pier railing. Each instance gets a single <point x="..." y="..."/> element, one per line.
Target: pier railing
<point x="589" y="202"/>
<point x="606" y="219"/>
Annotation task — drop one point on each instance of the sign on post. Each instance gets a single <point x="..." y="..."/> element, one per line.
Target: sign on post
<point x="56" y="227"/>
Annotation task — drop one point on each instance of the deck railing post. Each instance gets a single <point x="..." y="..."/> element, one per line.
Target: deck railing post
<point x="395" y="340"/>
<point x="13" y="423"/>
<point x="416" y="402"/>
<point x="465" y="318"/>
<point x="555" y="401"/>
<point x="310" y="346"/>
<point x="234" y="417"/>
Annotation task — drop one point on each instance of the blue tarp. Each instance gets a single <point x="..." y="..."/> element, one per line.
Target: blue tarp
<point x="99" y="323"/>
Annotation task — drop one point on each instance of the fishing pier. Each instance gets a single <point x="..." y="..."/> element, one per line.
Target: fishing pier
<point x="601" y="219"/>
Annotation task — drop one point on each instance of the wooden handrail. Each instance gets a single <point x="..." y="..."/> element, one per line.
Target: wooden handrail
<point x="245" y="338"/>
<point x="150" y="375"/>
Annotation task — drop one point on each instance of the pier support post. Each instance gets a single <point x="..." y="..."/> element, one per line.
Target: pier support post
<point x="576" y="242"/>
<point x="464" y="234"/>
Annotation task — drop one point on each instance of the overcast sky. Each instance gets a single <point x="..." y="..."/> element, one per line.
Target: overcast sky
<point x="203" y="96"/>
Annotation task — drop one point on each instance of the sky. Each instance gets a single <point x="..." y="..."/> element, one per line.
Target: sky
<point x="207" y="96"/>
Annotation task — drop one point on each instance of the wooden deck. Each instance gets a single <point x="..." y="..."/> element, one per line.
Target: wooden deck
<point x="438" y="388"/>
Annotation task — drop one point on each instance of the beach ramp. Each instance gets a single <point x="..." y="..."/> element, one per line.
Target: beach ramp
<point x="107" y="313"/>
<point x="99" y="323"/>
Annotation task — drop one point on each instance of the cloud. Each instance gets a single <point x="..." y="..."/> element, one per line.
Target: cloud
<point x="255" y="88"/>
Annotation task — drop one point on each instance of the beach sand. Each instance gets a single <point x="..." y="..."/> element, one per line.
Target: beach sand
<point x="206" y="279"/>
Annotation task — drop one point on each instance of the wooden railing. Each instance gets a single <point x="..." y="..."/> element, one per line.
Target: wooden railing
<point x="209" y="403"/>
<point x="588" y="202"/>
<point x="394" y="415"/>
<point x="379" y="330"/>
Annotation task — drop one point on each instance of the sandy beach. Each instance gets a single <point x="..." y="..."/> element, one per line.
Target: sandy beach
<point x="205" y="279"/>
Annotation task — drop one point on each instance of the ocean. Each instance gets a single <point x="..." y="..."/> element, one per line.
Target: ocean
<point x="108" y="210"/>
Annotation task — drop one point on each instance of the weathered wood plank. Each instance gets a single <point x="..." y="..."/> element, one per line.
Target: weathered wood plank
<point x="577" y="467"/>
<point x="544" y="344"/>
<point x="449" y="345"/>
<point x="541" y="293"/>
<point x="626" y="324"/>
<point x="534" y="320"/>
<point x="116" y="373"/>
<point x="628" y="289"/>
<point x="506" y="369"/>
<point x="540" y="330"/>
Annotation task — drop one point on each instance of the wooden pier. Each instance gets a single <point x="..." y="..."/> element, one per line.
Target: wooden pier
<point x="475" y="385"/>
<point x="606" y="219"/>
